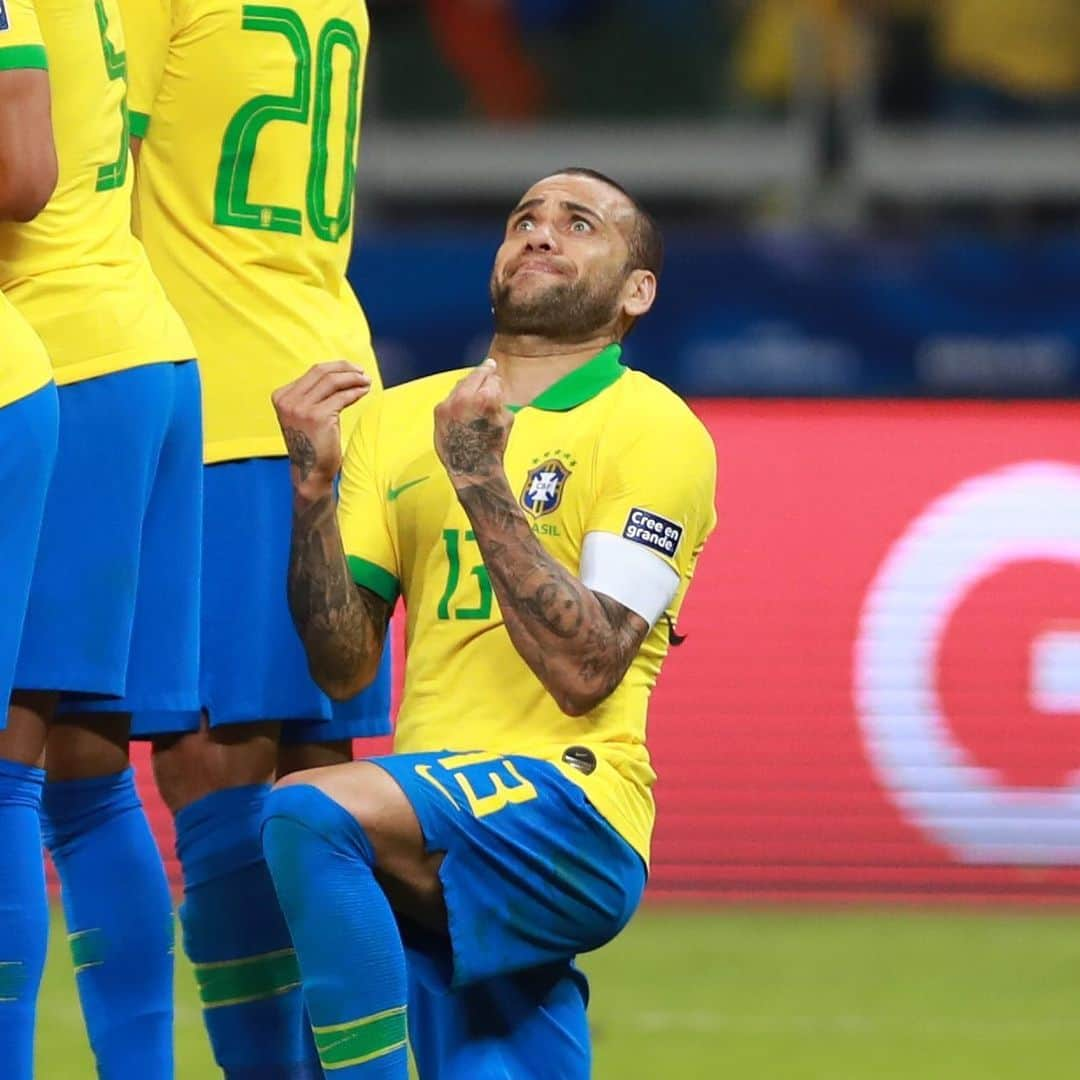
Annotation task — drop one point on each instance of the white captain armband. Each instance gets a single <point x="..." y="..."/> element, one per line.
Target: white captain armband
<point x="628" y="573"/>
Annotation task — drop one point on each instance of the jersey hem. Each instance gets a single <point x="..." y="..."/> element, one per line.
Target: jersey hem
<point x="218" y="451"/>
<point x="68" y="374"/>
<point x="24" y="389"/>
<point x="641" y="844"/>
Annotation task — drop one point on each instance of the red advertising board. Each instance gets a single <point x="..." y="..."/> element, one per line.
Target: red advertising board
<point x="879" y="695"/>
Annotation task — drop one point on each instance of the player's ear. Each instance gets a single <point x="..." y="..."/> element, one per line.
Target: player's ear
<point x="639" y="293"/>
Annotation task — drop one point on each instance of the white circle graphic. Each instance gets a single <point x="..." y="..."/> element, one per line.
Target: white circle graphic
<point x="1024" y="512"/>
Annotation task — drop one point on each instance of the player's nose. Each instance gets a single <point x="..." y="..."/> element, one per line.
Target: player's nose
<point x="542" y="238"/>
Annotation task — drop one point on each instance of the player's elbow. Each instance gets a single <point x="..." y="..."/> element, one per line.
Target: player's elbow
<point x="342" y="685"/>
<point x="579" y="688"/>
<point x="340" y="692"/>
<point x="577" y="698"/>
<point x="574" y="706"/>
<point x="338" y="689"/>
<point x="26" y="190"/>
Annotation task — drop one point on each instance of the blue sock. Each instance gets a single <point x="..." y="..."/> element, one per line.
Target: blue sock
<point x="24" y="914"/>
<point x="119" y="920"/>
<point x="346" y="935"/>
<point x="236" y="936"/>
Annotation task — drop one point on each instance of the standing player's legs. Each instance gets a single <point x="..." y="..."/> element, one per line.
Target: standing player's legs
<point x="215" y="773"/>
<point x="129" y="447"/>
<point x="470" y="878"/>
<point x="27" y="450"/>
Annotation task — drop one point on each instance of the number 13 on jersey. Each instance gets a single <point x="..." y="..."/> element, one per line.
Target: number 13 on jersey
<point x="308" y="103"/>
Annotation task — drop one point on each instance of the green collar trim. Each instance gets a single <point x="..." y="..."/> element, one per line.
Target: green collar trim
<point x="582" y="384"/>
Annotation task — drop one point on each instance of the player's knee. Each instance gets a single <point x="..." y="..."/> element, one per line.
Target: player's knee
<point x="299" y="757"/>
<point x="299" y="818"/>
<point x="191" y="766"/>
<point x="294" y="778"/>
<point x="367" y="793"/>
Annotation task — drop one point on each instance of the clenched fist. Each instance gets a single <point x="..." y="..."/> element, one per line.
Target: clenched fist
<point x="472" y="425"/>
<point x="309" y="412"/>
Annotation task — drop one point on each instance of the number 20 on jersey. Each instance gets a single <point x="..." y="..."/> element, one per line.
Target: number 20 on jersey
<point x="308" y="103"/>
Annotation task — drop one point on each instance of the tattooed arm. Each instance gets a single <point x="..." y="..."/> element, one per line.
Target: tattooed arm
<point x="579" y="644"/>
<point x="342" y="625"/>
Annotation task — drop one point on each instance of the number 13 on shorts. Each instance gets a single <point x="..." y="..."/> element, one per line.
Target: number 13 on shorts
<point x="488" y="782"/>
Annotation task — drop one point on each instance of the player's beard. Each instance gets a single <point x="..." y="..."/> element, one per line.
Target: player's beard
<point x="564" y="311"/>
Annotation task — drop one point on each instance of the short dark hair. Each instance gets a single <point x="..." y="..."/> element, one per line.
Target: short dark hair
<point x="645" y="240"/>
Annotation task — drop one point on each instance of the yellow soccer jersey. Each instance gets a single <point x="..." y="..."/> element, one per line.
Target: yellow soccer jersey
<point x="24" y="364"/>
<point x="250" y="117"/>
<point x="603" y="450"/>
<point x="76" y="273"/>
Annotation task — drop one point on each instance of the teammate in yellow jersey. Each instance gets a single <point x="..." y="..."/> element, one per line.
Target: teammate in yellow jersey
<point x="541" y="518"/>
<point x="28" y="423"/>
<point x="112" y="615"/>
<point x="247" y="118"/>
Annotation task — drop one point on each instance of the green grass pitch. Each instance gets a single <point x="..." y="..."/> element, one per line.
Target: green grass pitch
<point x="772" y="994"/>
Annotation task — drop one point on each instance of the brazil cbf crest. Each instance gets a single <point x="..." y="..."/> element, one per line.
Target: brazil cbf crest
<point x="544" y="483"/>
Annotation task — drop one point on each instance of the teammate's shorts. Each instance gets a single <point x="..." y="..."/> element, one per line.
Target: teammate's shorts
<point x="532" y="876"/>
<point x="253" y="665"/>
<point x="114" y="599"/>
<point x="28" y="433"/>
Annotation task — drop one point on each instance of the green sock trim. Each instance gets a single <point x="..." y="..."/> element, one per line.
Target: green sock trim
<point x="87" y="949"/>
<point x="252" y="978"/>
<point x="357" y="1041"/>
<point x="12" y="979"/>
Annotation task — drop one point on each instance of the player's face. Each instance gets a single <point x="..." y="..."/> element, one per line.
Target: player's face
<point x="563" y="264"/>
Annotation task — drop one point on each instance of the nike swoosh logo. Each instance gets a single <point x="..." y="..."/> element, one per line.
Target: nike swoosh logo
<point x="393" y="493"/>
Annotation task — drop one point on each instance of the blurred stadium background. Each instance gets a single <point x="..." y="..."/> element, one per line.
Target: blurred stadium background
<point x="867" y="862"/>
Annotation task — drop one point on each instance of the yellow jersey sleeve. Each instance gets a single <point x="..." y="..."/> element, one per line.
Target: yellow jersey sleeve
<point x="363" y="510"/>
<point x="657" y="488"/>
<point x="21" y="44"/>
<point x="147" y="27"/>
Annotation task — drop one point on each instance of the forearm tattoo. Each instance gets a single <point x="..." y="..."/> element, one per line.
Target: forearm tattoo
<point x="612" y="650"/>
<point x="472" y="448"/>
<point x="341" y="625"/>
<point x="568" y="635"/>
<point x="301" y="451"/>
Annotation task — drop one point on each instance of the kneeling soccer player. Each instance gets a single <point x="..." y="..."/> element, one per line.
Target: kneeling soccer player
<point x="541" y="517"/>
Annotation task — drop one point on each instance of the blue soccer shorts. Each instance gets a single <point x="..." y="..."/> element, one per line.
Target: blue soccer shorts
<point x="28" y="435"/>
<point x="253" y="666"/>
<point x="114" y="599"/>
<point x="532" y="876"/>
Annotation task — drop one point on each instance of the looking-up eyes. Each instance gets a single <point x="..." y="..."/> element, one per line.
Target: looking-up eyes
<point x="579" y="225"/>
